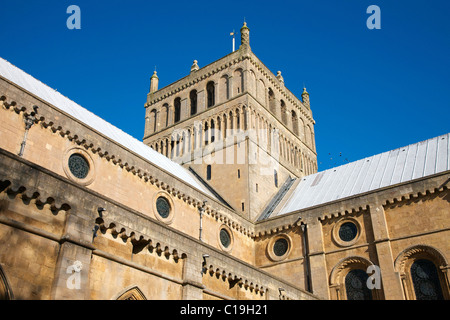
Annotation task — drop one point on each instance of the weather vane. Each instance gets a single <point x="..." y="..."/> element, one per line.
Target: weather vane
<point x="233" y="34"/>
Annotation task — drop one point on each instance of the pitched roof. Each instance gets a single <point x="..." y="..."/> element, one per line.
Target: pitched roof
<point x="386" y="169"/>
<point x="53" y="97"/>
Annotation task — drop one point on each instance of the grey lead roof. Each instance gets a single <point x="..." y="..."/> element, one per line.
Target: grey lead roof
<point x="41" y="90"/>
<point x="415" y="161"/>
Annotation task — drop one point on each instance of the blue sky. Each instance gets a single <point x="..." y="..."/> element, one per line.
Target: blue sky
<point x="371" y="90"/>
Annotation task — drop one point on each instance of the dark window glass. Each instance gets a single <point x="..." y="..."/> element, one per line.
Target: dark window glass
<point x="78" y="166"/>
<point x="426" y="280"/>
<point x="348" y="231"/>
<point x="163" y="207"/>
<point x="356" y="285"/>
<point x="193" y="97"/>
<point x="177" y="107"/>
<point x="280" y="247"/>
<point x="211" y="93"/>
<point x="208" y="172"/>
<point x="225" y="238"/>
<point x="275" y="178"/>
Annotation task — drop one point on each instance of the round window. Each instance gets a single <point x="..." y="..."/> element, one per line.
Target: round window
<point x="348" y="231"/>
<point x="163" y="207"/>
<point x="78" y="166"/>
<point x="225" y="238"/>
<point x="280" y="247"/>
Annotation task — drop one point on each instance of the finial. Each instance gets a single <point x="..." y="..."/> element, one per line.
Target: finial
<point x="305" y="97"/>
<point x="280" y="77"/>
<point x="154" y="82"/>
<point x="245" y="36"/>
<point x="194" y="66"/>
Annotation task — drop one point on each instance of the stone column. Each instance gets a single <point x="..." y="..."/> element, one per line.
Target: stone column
<point x="72" y="272"/>
<point x="223" y="126"/>
<point x="169" y="149"/>
<point x="170" y="114"/>
<point x="216" y="93"/>
<point x="244" y="80"/>
<point x="163" y="146"/>
<point x="318" y="271"/>
<point x="230" y="87"/>
<point x="391" y="282"/>
<point x="185" y="109"/>
<point x="201" y="101"/>
<point x="234" y="119"/>
<point x="72" y="269"/>
<point x="192" y="277"/>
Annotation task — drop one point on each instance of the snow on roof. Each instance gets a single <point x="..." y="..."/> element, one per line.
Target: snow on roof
<point x="412" y="162"/>
<point x="53" y="97"/>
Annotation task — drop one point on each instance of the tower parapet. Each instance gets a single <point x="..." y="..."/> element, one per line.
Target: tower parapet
<point x="234" y="120"/>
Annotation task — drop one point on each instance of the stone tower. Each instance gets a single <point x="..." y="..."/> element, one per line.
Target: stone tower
<point x="236" y="126"/>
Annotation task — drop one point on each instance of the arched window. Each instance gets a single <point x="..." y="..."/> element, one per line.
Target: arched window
<point x="165" y="115"/>
<point x="272" y="103"/>
<point x="193" y="98"/>
<point x="224" y="90"/>
<point x="133" y="293"/>
<point x="308" y="135"/>
<point x="426" y="280"/>
<point x="210" y="91"/>
<point x="208" y="172"/>
<point x="283" y="112"/>
<point x="294" y="122"/>
<point x="356" y="285"/>
<point x="213" y="133"/>
<point x="177" y="107"/>
<point x="5" y="288"/>
<point x="205" y="133"/>
<point x="238" y="82"/>
<point x="152" y="119"/>
<point x="275" y="178"/>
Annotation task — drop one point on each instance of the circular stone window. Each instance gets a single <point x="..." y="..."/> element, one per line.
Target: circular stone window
<point x="346" y="232"/>
<point x="225" y="238"/>
<point x="78" y="166"/>
<point x="163" y="207"/>
<point x="279" y="247"/>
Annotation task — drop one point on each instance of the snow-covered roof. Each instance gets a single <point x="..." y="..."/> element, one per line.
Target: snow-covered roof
<point x="53" y="97"/>
<point x="405" y="164"/>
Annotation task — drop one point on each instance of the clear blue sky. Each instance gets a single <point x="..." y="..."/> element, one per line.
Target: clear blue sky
<point x="371" y="90"/>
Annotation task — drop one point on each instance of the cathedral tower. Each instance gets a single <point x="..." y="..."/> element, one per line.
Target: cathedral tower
<point x="237" y="127"/>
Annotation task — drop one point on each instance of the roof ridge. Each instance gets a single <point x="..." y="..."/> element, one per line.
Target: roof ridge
<point x="358" y="177"/>
<point x="53" y="97"/>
